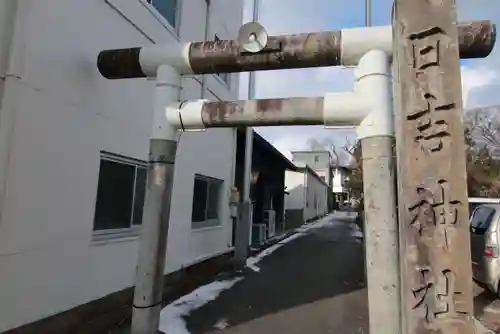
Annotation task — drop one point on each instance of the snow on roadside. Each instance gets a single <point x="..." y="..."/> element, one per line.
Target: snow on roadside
<point x="322" y="222"/>
<point x="301" y="231"/>
<point x="356" y="232"/>
<point x="254" y="260"/>
<point x="172" y="316"/>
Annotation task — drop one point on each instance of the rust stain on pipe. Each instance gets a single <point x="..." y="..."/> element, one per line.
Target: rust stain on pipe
<point x="318" y="49"/>
<point x="283" y="52"/>
<point x="476" y="39"/>
<point x="269" y="105"/>
<point x="218" y="112"/>
<point x="264" y="112"/>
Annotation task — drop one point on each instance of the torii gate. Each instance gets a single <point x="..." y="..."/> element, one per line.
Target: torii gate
<point x="418" y="266"/>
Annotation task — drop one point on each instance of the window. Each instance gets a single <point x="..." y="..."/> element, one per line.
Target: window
<point x="472" y="207"/>
<point x="206" y="201"/>
<point x="316" y="159"/>
<point x="168" y="9"/>
<point x="224" y="76"/>
<point x="120" y="195"/>
<point x="482" y="218"/>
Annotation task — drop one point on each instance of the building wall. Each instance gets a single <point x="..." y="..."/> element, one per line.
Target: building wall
<point x="317" y="160"/>
<point x="326" y="173"/>
<point x="339" y="176"/>
<point x="295" y="199"/>
<point x="317" y="197"/>
<point x="307" y="193"/>
<point x="295" y="186"/>
<point x="58" y="113"/>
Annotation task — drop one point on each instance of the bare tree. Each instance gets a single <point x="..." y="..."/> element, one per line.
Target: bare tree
<point x="355" y="181"/>
<point x="482" y="138"/>
<point x="343" y="153"/>
<point x="484" y="126"/>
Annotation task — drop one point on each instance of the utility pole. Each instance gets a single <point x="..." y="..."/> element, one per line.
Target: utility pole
<point x="368" y="13"/>
<point x="433" y="210"/>
<point x="368" y="107"/>
<point x="244" y="227"/>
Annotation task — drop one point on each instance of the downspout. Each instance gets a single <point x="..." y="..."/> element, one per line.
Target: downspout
<point x="305" y="195"/>
<point x="207" y="32"/>
<point x="8" y="16"/>
<point x="249" y="137"/>
<point x="11" y="59"/>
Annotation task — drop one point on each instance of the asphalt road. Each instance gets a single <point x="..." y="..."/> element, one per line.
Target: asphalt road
<point x="314" y="284"/>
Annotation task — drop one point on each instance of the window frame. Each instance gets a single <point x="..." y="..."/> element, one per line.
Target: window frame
<point x="134" y="229"/>
<point x="207" y="223"/>
<point x="225" y="78"/>
<point x="175" y="29"/>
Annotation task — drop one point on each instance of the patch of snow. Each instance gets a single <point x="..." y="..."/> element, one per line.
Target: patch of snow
<point x="356" y="231"/>
<point x="172" y="316"/>
<point x="301" y="231"/>
<point x="253" y="260"/>
<point x="357" y="234"/>
<point x="344" y="214"/>
<point x="322" y="222"/>
<point x="221" y="324"/>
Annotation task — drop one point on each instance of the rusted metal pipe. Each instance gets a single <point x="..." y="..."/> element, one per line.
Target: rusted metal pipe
<point x="476" y="39"/>
<point x="282" y="52"/>
<point x="265" y="112"/>
<point x="317" y="49"/>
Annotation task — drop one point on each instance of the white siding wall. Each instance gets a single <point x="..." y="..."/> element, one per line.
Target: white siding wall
<point x="316" y="197"/>
<point x="65" y="114"/>
<point x="294" y="182"/>
<point x="322" y="172"/>
<point x="303" y="188"/>
<point x="337" y="181"/>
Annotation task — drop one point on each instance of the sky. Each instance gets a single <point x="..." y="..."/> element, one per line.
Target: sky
<point x="480" y="77"/>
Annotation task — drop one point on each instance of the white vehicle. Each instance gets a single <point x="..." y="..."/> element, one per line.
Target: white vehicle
<point x="474" y="202"/>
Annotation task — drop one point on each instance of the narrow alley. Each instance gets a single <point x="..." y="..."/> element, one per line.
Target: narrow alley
<point x="311" y="284"/>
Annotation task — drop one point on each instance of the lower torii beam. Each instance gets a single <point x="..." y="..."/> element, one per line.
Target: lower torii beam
<point x="342" y="109"/>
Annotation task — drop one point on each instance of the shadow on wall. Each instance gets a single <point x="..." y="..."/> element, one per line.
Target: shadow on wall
<point x="294" y="218"/>
<point x="294" y="207"/>
<point x="296" y="213"/>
